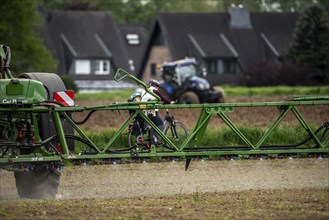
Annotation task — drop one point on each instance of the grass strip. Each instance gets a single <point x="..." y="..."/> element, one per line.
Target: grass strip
<point x="220" y="137"/>
<point x="122" y="95"/>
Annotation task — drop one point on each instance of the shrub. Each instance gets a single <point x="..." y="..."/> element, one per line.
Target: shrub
<point x="267" y="73"/>
<point x="69" y="83"/>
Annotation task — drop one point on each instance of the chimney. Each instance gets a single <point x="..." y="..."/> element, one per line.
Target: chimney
<point x="239" y="18"/>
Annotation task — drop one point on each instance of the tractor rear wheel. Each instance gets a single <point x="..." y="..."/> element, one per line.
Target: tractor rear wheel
<point x="189" y="98"/>
<point x="221" y="98"/>
<point x="41" y="183"/>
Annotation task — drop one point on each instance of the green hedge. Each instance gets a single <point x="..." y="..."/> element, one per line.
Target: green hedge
<point x="276" y="90"/>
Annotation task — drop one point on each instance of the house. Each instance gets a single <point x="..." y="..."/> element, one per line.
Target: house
<point x="225" y="44"/>
<point x="135" y="38"/>
<point x="89" y="48"/>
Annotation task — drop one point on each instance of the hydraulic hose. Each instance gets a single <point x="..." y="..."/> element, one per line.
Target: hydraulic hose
<point x="7" y="61"/>
<point x="76" y="122"/>
<point x="84" y="120"/>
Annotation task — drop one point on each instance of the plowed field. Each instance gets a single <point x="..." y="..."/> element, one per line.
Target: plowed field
<point x="233" y="189"/>
<point x="243" y="189"/>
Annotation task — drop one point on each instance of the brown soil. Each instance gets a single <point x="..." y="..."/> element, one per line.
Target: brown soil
<point x="242" y="189"/>
<point x="233" y="189"/>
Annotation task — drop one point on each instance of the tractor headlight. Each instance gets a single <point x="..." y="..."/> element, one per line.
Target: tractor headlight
<point x="203" y="86"/>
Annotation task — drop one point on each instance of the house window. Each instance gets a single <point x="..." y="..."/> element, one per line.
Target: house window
<point x="153" y="69"/>
<point x="211" y="66"/>
<point x="229" y="66"/>
<point x="221" y="66"/>
<point x="82" y="67"/>
<point x="102" y="67"/>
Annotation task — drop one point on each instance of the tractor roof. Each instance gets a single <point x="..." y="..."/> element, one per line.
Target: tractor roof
<point x="183" y="62"/>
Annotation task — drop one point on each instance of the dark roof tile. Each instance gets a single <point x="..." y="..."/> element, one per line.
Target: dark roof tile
<point x="91" y="35"/>
<point x="135" y="52"/>
<point x="206" y="28"/>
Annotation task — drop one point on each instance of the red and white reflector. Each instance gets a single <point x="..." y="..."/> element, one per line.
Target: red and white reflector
<point x="66" y="98"/>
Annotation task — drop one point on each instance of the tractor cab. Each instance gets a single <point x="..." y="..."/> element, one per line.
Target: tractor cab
<point x="179" y="71"/>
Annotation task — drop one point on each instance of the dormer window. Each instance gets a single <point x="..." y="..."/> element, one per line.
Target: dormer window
<point x="82" y="67"/>
<point x="132" y="39"/>
<point x="102" y="67"/>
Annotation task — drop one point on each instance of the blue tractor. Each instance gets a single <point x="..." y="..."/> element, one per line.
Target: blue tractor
<point x="182" y="83"/>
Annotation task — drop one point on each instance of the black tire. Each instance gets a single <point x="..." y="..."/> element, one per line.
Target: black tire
<point x="52" y="83"/>
<point x="177" y="135"/>
<point x="221" y="98"/>
<point x="41" y="183"/>
<point x="24" y="182"/>
<point x="189" y="98"/>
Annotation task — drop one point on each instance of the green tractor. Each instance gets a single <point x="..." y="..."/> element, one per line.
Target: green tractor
<point x="21" y="129"/>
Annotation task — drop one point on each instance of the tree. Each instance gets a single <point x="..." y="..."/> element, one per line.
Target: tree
<point x="310" y="43"/>
<point x="136" y="11"/>
<point x="285" y="5"/>
<point x="325" y="4"/>
<point x="18" y="30"/>
<point x="144" y="11"/>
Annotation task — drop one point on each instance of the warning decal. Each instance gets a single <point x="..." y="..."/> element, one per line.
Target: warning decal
<point x="66" y="98"/>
